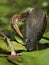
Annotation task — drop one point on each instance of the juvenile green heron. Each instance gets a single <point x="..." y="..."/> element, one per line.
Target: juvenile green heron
<point x="35" y="20"/>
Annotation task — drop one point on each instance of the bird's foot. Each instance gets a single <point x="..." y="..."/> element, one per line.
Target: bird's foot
<point x="14" y="58"/>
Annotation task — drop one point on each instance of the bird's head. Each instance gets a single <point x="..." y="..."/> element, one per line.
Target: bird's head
<point x="16" y="19"/>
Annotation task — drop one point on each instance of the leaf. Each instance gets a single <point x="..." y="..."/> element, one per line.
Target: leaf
<point x="43" y="41"/>
<point x="18" y="39"/>
<point x="46" y="34"/>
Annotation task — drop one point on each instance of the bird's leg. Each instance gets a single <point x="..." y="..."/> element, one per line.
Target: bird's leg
<point x="9" y="43"/>
<point x="11" y="47"/>
<point x="13" y="56"/>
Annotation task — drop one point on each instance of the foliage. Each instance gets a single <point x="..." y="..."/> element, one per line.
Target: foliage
<point x="7" y="9"/>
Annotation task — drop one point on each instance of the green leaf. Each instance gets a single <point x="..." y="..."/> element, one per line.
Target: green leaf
<point x="46" y="34"/>
<point x="44" y="41"/>
<point x="18" y="39"/>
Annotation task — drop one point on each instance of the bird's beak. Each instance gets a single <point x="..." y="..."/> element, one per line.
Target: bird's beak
<point x="18" y="30"/>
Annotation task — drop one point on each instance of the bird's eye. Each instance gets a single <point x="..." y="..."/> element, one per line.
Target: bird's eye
<point x="18" y="18"/>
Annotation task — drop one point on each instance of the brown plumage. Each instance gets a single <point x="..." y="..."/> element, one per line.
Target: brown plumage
<point x="16" y="19"/>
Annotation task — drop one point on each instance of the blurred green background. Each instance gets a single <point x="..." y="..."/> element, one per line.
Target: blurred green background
<point x="7" y="9"/>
